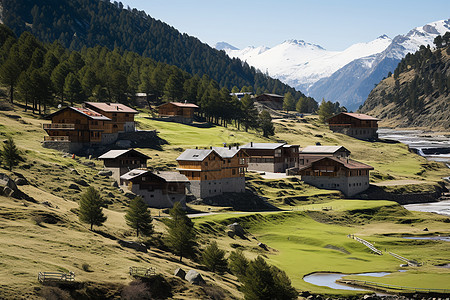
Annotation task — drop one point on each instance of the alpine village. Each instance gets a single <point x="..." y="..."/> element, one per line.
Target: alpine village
<point x="137" y="162"/>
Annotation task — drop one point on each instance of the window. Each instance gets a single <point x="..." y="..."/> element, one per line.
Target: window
<point x="206" y="163"/>
<point x="233" y="172"/>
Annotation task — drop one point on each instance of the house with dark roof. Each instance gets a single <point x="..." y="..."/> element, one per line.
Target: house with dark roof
<point x="123" y="161"/>
<point x="337" y="173"/>
<point x="214" y="171"/>
<point x="271" y="157"/>
<point x="311" y="153"/>
<point x="359" y="126"/>
<point x="177" y="112"/>
<point x="160" y="189"/>
<point x="122" y="116"/>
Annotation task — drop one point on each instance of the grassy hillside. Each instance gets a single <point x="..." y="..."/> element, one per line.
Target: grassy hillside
<point x="41" y="237"/>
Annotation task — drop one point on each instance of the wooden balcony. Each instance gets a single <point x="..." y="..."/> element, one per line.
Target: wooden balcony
<point x="56" y="126"/>
<point x="56" y="138"/>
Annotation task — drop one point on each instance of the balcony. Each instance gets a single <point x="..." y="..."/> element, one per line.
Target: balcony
<point x="56" y="138"/>
<point x="56" y="126"/>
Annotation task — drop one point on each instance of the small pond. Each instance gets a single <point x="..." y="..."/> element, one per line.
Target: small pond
<point x="329" y="279"/>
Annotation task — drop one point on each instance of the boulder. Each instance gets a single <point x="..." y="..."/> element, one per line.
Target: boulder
<point x="7" y="191"/>
<point x="133" y="245"/>
<point x="6" y="181"/>
<point x="179" y="272"/>
<point x="73" y="186"/>
<point x="194" y="277"/>
<point x="81" y="182"/>
<point x="262" y="246"/>
<point x="105" y="173"/>
<point x="237" y="230"/>
<point x="74" y="172"/>
<point x="89" y="163"/>
<point x="21" y="181"/>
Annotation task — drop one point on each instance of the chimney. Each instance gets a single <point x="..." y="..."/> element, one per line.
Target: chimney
<point x="251" y="144"/>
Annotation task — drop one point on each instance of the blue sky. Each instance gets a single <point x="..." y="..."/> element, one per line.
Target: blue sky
<point x="333" y="24"/>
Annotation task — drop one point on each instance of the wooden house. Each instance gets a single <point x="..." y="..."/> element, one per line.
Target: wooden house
<point x="123" y="161"/>
<point x="73" y="127"/>
<point x="271" y="100"/>
<point x="213" y="172"/>
<point x="122" y="116"/>
<point x="271" y="157"/>
<point x="311" y="153"/>
<point x="177" y="111"/>
<point x="359" y="126"/>
<point x="158" y="189"/>
<point x="348" y="176"/>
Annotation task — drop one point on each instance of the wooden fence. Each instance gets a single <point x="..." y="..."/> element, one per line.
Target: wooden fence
<point x="45" y="277"/>
<point x="366" y="243"/>
<point x="390" y="287"/>
<point x="142" y="272"/>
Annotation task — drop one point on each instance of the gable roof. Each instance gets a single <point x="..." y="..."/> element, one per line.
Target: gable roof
<point x="322" y="149"/>
<point x="363" y="117"/>
<point x="111" y="154"/>
<point x="169" y="176"/>
<point x="133" y="174"/>
<point x="263" y="146"/>
<point x="226" y="152"/>
<point x="195" y="154"/>
<point x="179" y="104"/>
<point x="112" y="107"/>
<point x="347" y="163"/>
<point x="166" y="176"/>
<point x="91" y="114"/>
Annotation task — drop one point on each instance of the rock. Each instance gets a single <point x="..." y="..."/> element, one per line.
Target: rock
<point x="74" y="172"/>
<point x="7" y="191"/>
<point x="5" y="181"/>
<point x="106" y="173"/>
<point x="194" y="277"/>
<point x="133" y="245"/>
<point x="230" y="233"/>
<point x="73" y="186"/>
<point x="81" y="182"/>
<point x="21" y="181"/>
<point x="115" y="184"/>
<point x="180" y="273"/>
<point x="237" y="230"/>
<point x="110" y="195"/>
<point x="263" y="246"/>
<point x="130" y="195"/>
<point x="89" y="163"/>
<point x="425" y="229"/>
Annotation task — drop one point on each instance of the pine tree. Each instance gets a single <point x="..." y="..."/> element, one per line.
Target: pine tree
<point x="214" y="258"/>
<point x="73" y="89"/>
<point x="288" y="102"/>
<point x="10" y="154"/>
<point x="249" y="113"/>
<point x="238" y="263"/>
<point x="91" y="208"/>
<point x="181" y="237"/>
<point x="138" y="217"/>
<point x="9" y="73"/>
<point x="326" y="110"/>
<point x="265" y="123"/>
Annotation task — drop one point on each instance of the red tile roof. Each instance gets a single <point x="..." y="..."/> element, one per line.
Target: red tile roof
<point x="112" y="107"/>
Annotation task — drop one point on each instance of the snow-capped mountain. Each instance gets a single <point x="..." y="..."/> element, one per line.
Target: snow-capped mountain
<point x="223" y="46"/>
<point x="346" y="76"/>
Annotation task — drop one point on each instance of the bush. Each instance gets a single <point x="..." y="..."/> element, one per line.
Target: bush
<point x="86" y="267"/>
<point x="136" y="290"/>
<point x="54" y="293"/>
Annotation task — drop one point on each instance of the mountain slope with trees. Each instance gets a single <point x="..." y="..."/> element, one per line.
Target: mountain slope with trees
<point x="418" y="93"/>
<point x="88" y="23"/>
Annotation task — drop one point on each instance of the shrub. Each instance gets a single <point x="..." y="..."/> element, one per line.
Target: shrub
<point x="86" y="267"/>
<point x="54" y="293"/>
<point x="136" y="290"/>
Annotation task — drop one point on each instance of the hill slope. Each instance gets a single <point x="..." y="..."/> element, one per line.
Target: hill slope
<point x="90" y="23"/>
<point x="417" y="95"/>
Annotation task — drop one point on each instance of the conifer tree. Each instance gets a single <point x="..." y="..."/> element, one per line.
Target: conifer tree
<point x="265" y="123"/>
<point x="91" y="208"/>
<point x="214" y="258"/>
<point x="249" y="113"/>
<point x="138" y="217"/>
<point x="73" y="89"/>
<point x="238" y="263"/>
<point x="10" y="153"/>
<point x="326" y="110"/>
<point x="9" y="73"/>
<point x="181" y="237"/>
<point x="288" y="102"/>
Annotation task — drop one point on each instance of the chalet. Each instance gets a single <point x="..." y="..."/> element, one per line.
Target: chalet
<point x="271" y="157"/>
<point x="72" y="128"/>
<point x="359" y="126"/>
<point x="271" y="100"/>
<point x="158" y="189"/>
<point x="123" y="161"/>
<point x="348" y="176"/>
<point x="122" y="116"/>
<point x="311" y="153"/>
<point x="213" y="172"/>
<point x="177" y="112"/>
<point x="75" y="127"/>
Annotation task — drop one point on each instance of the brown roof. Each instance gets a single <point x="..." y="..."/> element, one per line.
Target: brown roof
<point x="347" y="163"/>
<point x="91" y="114"/>
<point x="112" y="107"/>
<point x="180" y="104"/>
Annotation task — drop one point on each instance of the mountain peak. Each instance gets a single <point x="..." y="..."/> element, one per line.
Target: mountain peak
<point x="224" y="46"/>
<point x="302" y="43"/>
<point x="383" y="37"/>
